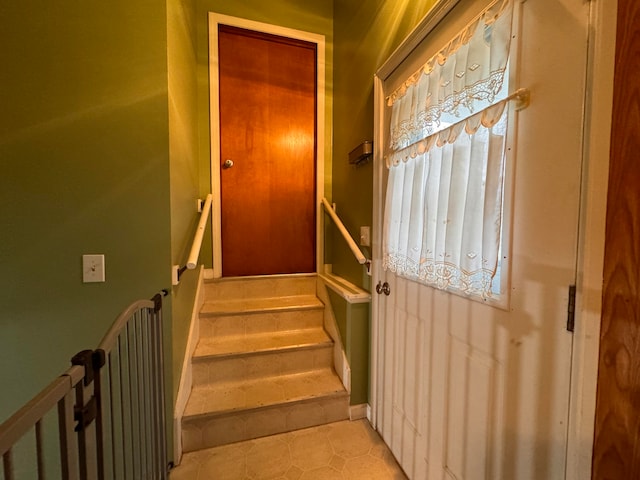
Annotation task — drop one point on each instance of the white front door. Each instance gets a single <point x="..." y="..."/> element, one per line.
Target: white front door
<point x="464" y="390"/>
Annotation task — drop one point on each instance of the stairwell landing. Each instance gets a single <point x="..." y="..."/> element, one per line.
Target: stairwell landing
<point x="263" y="364"/>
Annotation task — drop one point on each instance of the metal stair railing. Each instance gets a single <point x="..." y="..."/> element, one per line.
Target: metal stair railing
<point x="110" y="410"/>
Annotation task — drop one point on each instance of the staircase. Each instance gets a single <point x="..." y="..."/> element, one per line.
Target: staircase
<point x="263" y="364"/>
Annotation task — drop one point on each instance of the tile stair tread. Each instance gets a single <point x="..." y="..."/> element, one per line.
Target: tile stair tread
<point x="248" y="305"/>
<point x="238" y="396"/>
<point x="261" y="342"/>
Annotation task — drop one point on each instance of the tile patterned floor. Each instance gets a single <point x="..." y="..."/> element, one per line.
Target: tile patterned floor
<point x="337" y="451"/>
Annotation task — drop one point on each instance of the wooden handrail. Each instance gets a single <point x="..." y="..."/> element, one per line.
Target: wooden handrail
<point x="197" y="239"/>
<point x="345" y="233"/>
<point x="192" y="260"/>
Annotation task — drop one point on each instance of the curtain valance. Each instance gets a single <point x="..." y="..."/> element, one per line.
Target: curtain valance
<point x="466" y="74"/>
<point x="470" y="125"/>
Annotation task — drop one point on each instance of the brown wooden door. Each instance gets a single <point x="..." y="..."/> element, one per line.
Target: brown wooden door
<point x="616" y="454"/>
<point x="268" y="130"/>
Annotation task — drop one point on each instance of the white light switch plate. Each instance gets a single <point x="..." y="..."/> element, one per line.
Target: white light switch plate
<point x="92" y="268"/>
<point x="365" y="236"/>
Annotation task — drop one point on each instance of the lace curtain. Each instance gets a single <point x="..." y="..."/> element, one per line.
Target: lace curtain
<point x="445" y="156"/>
<point x="464" y="76"/>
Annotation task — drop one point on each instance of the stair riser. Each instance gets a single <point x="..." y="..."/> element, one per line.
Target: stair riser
<point x="279" y="376"/>
<point x="260" y="287"/>
<point x="252" y="367"/>
<point x="203" y="432"/>
<point x="255" y="323"/>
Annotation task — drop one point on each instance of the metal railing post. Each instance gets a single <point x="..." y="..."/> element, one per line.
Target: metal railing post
<point x="91" y="407"/>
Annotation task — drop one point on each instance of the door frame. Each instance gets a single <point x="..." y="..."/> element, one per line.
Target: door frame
<point x="216" y="19"/>
<point x="591" y="244"/>
<point x="591" y="224"/>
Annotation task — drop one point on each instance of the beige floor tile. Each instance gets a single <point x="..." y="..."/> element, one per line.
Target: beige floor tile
<point x="300" y="320"/>
<point x="308" y="454"/>
<point x="266" y="422"/>
<point x="295" y="362"/>
<point x="335" y="409"/>
<point x="306" y="415"/>
<point x="294" y="473"/>
<point x="200" y="373"/>
<point x="337" y="462"/>
<point x="227" y="370"/>
<point x="275" y="304"/>
<point x="222" y="431"/>
<point x="367" y="467"/>
<point x="349" y="439"/>
<point x="225" y="399"/>
<point x="309" y="385"/>
<point x="223" y="326"/>
<point x="222" y="290"/>
<point x="262" y="288"/>
<point x="261" y="342"/>
<point x="262" y="323"/>
<point x="296" y="286"/>
<point x="186" y="472"/>
<point x="263" y="393"/>
<point x="311" y="450"/>
<point x="191" y="437"/>
<point x="322" y="473"/>
<point x="225" y="463"/>
<point x="269" y="458"/>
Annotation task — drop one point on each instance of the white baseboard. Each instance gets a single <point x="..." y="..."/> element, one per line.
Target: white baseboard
<point x="340" y="363"/>
<point x="184" y="390"/>
<point x="346" y="371"/>
<point x="208" y="273"/>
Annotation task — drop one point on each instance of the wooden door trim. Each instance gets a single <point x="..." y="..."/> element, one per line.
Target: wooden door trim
<point x="617" y="408"/>
<point x="216" y="19"/>
<point x="591" y="243"/>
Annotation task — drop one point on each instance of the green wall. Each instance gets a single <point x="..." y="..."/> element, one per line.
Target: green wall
<point x="365" y="34"/>
<point x="104" y="146"/>
<point x="314" y="17"/>
<point x="84" y="168"/>
<point x="184" y="169"/>
<point x="353" y="323"/>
